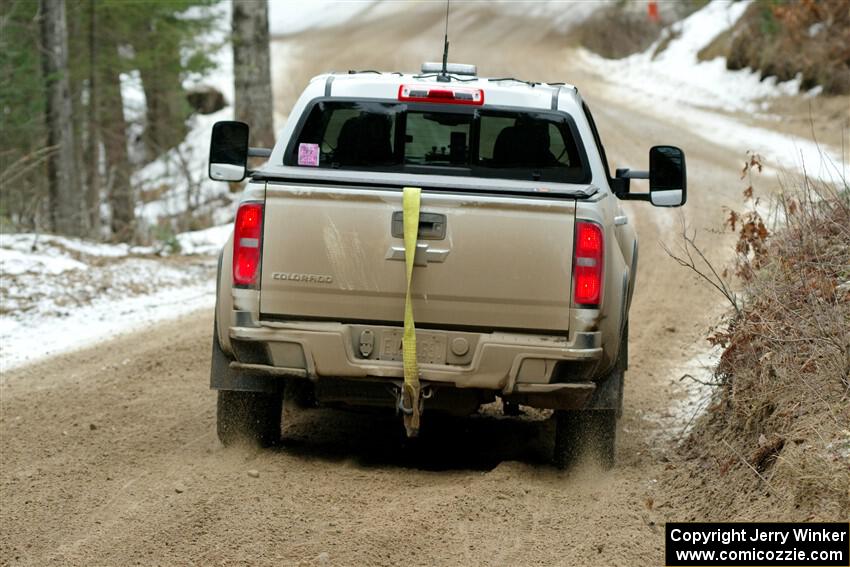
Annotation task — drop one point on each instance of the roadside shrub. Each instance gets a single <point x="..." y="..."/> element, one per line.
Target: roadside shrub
<point x="777" y="429"/>
<point x="784" y="38"/>
<point x="785" y="369"/>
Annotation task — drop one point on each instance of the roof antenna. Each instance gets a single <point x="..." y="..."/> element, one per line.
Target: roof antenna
<point x="443" y="77"/>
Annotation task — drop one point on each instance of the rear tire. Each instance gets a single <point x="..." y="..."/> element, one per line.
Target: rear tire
<point x="585" y="433"/>
<point x="252" y="417"/>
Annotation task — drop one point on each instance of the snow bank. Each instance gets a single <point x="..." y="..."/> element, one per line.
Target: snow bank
<point x="14" y="263"/>
<point x="674" y="85"/>
<point x="60" y="246"/>
<point x="24" y="341"/>
<point x="208" y="241"/>
<point x="675" y="74"/>
<point x="60" y="294"/>
<point x="786" y="152"/>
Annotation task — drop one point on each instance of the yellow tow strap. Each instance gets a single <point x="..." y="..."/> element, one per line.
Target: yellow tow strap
<point x="410" y="205"/>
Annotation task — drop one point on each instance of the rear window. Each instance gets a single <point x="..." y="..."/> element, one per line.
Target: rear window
<point x="439" y="140"/>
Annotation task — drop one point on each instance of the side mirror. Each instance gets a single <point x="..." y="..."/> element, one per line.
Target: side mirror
<point x="229" y="151"/>
<point x="667" y="177"/>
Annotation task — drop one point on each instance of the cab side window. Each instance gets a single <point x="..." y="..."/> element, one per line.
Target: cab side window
<point x="599" y="147"/>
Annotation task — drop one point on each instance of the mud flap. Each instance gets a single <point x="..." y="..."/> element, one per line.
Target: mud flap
<point x="223" y="377"/>
<point x="609" y="389"/>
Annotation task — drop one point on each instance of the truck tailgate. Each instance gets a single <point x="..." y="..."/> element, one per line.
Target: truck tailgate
<point x="487" y="262"/>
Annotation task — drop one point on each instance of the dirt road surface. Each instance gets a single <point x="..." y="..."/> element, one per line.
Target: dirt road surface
<point x="109" y="455"/>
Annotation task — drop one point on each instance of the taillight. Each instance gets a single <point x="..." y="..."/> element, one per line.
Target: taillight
<point x="247" y="236"/>
<point x="589" y="255"/>
<point x="442" y="94"/>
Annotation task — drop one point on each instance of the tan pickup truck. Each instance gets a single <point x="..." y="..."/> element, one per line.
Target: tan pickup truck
<point x="520" y="262"/>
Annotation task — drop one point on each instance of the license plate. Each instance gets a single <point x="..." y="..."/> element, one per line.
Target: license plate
<point x="430" y="347"/>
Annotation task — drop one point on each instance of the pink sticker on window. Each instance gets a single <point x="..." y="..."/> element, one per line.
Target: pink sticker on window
<point x="308" y="154"/>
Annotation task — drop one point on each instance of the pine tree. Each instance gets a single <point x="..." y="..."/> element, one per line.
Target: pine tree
<point x="23" y="134"/>
<point x="46" y="101"/>
<point x="63" y="180"/>
<point x="92" y="128"/>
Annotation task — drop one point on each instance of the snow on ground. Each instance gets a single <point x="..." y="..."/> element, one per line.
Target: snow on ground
<point x="784" y="152"/>
<point x="694" y="386"/>
<point x="36" y="338"/>
<point x="16" y="263"/>
<point x="60" y="294"/>
<point x="675" y="73"/>
<point x="675" y="85"/>
<point x="207" y="241"/>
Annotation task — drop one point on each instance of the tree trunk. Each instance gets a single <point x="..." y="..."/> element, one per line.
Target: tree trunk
<point x="113" y="131"/>
<point x="252" y="76"/>
<point x="76" y="25"/>
<point x="166" y="107"/>
<point x="66" y="204"/>
<point x="93" y="140"/>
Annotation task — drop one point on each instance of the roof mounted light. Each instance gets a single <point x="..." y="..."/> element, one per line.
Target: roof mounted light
<point x="451" y="68"/>
<point x="441" y="94"/>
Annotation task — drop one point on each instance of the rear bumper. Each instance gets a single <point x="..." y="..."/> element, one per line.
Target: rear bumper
<point x="510" y="363"/>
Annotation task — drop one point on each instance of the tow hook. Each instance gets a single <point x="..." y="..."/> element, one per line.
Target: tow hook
<point x="399" y="406"/>
<point x="405" y="410"/>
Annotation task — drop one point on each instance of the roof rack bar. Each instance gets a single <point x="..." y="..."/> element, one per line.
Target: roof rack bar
<point x="529" y="83"/>
<point x="451" y="68"/>
<point x="556" y="92"/>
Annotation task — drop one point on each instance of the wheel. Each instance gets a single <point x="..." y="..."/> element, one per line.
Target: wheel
<point x="585" y="433"/>
<point x="249" y="416"/>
